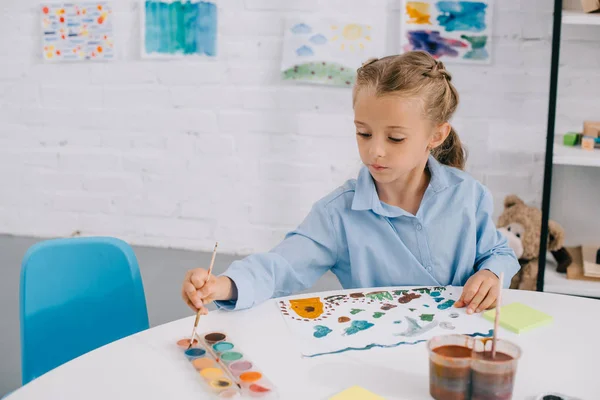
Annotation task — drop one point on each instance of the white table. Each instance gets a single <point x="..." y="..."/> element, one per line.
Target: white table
<point x="563" y="357"/>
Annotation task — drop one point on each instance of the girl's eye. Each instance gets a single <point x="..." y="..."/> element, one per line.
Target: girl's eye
<point x="518" y="235"/>
<point x="509" y="228"/>
<point x="365" y="135"/>
<point x="395" y="140"/>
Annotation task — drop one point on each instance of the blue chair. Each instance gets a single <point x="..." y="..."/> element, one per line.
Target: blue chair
<point x="77" y="294"/>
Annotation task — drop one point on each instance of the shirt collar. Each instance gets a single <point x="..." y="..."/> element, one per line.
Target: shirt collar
<point x="366" y="198"/>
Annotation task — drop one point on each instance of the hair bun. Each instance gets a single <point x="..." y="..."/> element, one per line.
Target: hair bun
<point x="438" y="71"/>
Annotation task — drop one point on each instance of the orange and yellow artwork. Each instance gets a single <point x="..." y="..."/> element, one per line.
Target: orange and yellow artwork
<point x="418" y="13"/>
<point x="77" y="31"/>
<point x="308" y="308"/>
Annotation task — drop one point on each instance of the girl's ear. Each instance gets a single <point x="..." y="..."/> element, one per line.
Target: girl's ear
<point x="439" y="135"/>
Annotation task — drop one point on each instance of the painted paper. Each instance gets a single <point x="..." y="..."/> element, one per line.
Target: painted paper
<point x="77" y="32"/>
<point x="177" y="29"/>
<point x="328" y="51"/>
<point x="459" y="31"/>
<point x="362" y="320"/>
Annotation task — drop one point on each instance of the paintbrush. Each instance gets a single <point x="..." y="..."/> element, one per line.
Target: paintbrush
<point x="212" y="263"/>
<point x="209" y="348"/>
<point x="497" y="318"/>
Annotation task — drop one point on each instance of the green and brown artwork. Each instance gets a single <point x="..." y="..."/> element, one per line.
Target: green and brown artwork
<point x="329" y="73"/>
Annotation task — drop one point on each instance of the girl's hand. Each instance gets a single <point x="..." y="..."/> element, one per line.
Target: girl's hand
<point x="480" y="292"/>
<point x="197" y="291"/>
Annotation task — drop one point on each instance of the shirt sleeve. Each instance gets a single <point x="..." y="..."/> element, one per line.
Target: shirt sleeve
<point x="493" y="252"/>
<point x="295" y="264"/>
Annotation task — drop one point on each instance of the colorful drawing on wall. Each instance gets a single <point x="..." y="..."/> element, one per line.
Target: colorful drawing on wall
<point x="353" y="321"/>
<point x="327" y="51"/>
<point x="178" y="28"/>
<point x="77" y="32"/>
<point x="451" y="31"/>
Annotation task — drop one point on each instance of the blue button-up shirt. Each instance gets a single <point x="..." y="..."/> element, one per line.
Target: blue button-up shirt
<point x="368" y="243"/>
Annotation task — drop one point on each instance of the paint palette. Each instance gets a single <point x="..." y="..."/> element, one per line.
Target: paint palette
<point x="225" y="370"/>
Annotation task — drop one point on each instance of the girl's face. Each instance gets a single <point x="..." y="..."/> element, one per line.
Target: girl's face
<point x="394" y="138"/>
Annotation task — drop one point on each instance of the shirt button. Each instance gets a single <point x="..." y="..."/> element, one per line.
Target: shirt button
<point x="419" y="227"/>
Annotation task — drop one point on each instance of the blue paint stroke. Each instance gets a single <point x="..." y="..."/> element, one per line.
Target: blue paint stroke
<point x="318" y="39"/>
<point x="305" y="51"/>
<point x="433" y="43"/>
<point x="398" y="322"/>
<point x="445" y="305"/>
<point x="438" y="299"/>
<point x="414" y="329"/>
<point x="426" y="305"/>
<point x="299" y="29"/>
<point x="462" y="16"/>
<point x="388" y="346"/>
<point x="358" y="326"/>
<point x="321" y="331"/>
<point x="435" y="294"/>
<point x="180" y="27"/>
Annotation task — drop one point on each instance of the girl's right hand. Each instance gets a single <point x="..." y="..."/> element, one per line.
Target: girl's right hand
<point x="197" y="292"/>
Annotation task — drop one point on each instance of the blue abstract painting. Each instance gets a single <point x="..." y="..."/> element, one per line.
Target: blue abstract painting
<point x="457" y="31"/>
<point x="174" y="29"/>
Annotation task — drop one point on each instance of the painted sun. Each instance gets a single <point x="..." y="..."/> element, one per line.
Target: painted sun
<point x="351" y="37"/>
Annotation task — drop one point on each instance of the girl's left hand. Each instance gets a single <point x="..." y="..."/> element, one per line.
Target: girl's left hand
<point x="480" y="292"/>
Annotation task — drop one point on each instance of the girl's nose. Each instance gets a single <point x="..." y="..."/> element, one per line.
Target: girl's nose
<point x="377" y="149"/>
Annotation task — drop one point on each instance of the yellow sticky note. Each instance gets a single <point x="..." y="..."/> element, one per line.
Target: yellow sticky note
<point x="519" y="318"/>
<point x="356" y="393"/>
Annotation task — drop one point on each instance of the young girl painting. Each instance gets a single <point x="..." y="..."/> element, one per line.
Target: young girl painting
<point x="412" y="217"/>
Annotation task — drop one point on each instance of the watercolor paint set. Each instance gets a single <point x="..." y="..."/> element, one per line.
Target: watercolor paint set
<point x="225" y="370"/>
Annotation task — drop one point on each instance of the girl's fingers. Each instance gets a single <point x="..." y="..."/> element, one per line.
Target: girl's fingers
<point x="471" y="289"/>
<point x="489" y="300"/>
<point x="478" y="298"/>
<point x="190" y="292"/>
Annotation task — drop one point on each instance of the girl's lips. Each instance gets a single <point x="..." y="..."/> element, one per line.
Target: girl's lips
<point x="378" y="167"/>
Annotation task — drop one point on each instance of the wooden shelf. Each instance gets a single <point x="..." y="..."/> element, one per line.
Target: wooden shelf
<point x="580" y="18"/>
<point x="555" y="282"/>
<point x="566" y="155"/>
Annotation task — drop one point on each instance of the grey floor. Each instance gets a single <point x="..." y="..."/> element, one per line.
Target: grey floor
<point x="162" y="272"/>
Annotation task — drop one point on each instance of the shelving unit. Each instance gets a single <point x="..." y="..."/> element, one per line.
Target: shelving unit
<point x="556" y="282"/>
<point x="565" y="155"/>
<point x="580" y="18"/>
<point x="559" y="155"/>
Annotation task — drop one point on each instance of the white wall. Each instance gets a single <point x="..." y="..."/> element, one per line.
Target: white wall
<point x="184" y="153"/>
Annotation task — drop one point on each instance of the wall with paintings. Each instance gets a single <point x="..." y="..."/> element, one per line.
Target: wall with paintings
<point x="175" y="124"/>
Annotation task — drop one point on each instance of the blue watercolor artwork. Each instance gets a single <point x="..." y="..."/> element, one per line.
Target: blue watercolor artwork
<point x="458" y="31"/>
<point x="445" y="305"/>
<point x="358" y="326"/>
<point x="462" y="16"/>
<point x="179" y="29"/>
<point x="321" y="331"/>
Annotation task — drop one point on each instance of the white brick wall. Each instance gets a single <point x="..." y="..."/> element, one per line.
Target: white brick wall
<point x="185" y="153"/>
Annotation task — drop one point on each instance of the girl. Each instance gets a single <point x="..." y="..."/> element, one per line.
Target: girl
<point x="412" y="217"/>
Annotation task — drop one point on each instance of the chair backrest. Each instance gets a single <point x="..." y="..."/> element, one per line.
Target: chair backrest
<point x="77" y="294"/>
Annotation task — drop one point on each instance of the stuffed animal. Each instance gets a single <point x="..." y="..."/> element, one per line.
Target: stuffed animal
<point x="522" y="224"/>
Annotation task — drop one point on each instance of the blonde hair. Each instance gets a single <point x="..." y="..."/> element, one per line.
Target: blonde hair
<point x="418" y="74"/>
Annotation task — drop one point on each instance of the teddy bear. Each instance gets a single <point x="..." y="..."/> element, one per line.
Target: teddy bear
<point x="521" y="224"/>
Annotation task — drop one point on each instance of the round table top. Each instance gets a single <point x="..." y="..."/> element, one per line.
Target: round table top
<point x="562" y="357"/>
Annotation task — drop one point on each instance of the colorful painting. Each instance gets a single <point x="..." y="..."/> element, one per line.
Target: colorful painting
<point x="459" y="31"/>
<point x="77" y="32"/>
<point x="356" y="320"/>
<point x="179" y="28"/>
<point x="327" y="51"/>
